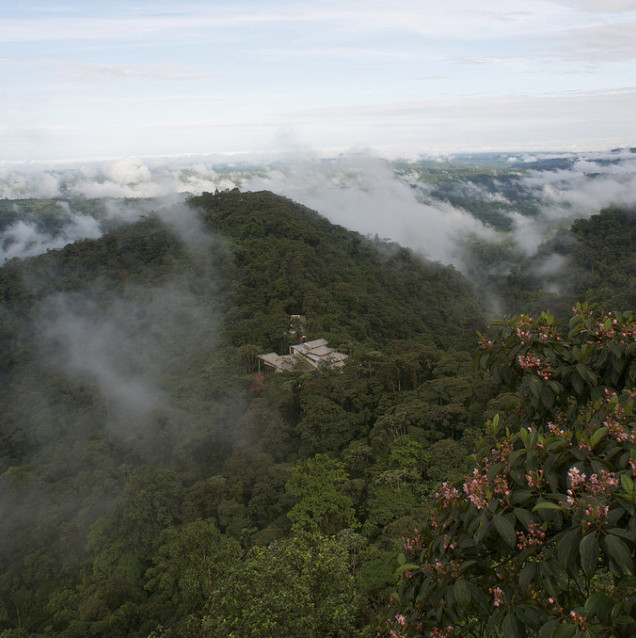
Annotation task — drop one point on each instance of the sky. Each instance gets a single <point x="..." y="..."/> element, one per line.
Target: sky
<point x="84" y="80"/>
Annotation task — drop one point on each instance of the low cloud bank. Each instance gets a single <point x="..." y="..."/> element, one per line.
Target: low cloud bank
<point x="534" y="195"/>
<point x="24" y="238"/>
<point x="364" y="194"/>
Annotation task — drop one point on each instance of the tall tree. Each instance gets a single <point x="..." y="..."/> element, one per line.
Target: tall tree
<point x="322" y="505"/>
<point x="301" y="587"/>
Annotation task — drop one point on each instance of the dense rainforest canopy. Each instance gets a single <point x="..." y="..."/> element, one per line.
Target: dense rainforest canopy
<point x="154" y="483"/>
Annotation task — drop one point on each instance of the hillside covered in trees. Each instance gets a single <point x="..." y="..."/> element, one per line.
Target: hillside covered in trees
<point x="153" y="482"/>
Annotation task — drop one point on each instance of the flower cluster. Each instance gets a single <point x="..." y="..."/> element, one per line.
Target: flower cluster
<point x="589" y="495"/>
<point x="395" y="627"/>
<point x="412" y="544"/>
<point x="524" y="325"/>
<point x="616" y="421"/>
<point x="533" y="363"/>
<point x="605" y="328"/>
<point x="611" y="329"/>
<point x="476" y="487"/>
<point x="534" y="538"/>
<point x="499" y="596"/>
<point x="576" y="479"/>
<point x="601" y="484"/>
<point x="501" y="487"/>
<point x="449" y="543"/>
<point x="440" y="571"/>
<point x="556" y="429"/>
<point x="484" y="342"/>
<point x="535" y="479"/>
<point x="579" y="620"/>
<point x="447" y="496"/>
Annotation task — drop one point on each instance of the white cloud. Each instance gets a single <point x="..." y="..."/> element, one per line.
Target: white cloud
<point x="356" y="190"/>
<point x="84" y="72"/>
<point x="127" y="172"/>
<point x="600" y="43"/>
<point x="144" y="78"/>
<point x="607" y="6"/>
<point x="24" y="239"/>
<point x="454" y="19"/>
<point x="363" y="194"/>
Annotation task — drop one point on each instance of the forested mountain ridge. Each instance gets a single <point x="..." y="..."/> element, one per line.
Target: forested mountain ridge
<point x="291" y="260"/>
<point x="151" y="483"/>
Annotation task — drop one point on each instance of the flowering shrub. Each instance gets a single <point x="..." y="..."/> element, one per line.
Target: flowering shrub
<point x="540" y="538"/>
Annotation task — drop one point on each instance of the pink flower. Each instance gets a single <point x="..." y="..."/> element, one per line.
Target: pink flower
<point x="475" y="488"/>
<point x="498" y="596"/>
<point x="448" y="494"/>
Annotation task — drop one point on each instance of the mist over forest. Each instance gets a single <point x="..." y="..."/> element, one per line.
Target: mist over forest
<point x="157" y="479"/>
<point x="426" y="204"/>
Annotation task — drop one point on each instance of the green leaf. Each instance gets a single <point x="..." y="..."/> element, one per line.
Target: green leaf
<point x="627" y="502"/>
<point x="583" y="371"/>
<point x="528" y="615"/>
<point x="627" y="483"/>
<point x="597" y="435"/>
<point x="620" y="554"/>
<point x="524" y="516"/>
<point x="622" y="533"/>
<point x="527" y="574"/>
<point x="598" y="605"/>
<point x="511" y="627"/>
<point x="520" y="496"/>
<point x="567" y="544"/>
<point x="589" y="548"/>
<point x="506" y="530"/>
<point x="535" y="387"/>
<point x="564" y="630"/>
<point x="546" y="630"/>
<point x="546" y="505"/>
<point x="616" y="349"/>
<point x="461" y="590"/>
<point x="518" y="454"/>
<point x="577" y="383"/>
<point x="407" y="567"/>
<point x="493" y="470"/>
<point x="596" y="394"/>
<point x="547" y="397"/>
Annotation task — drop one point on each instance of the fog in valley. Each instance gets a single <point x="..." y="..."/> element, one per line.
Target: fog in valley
<point x="373" y="196"/>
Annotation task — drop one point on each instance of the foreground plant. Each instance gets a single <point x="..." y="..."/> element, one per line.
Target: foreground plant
<point x="540" y="538"/>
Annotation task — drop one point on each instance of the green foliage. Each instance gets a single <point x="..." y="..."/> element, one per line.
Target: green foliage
<point x="541" y="538"/>
<point x="326" y="425"/>
<point x="603" y="255"/>
<point x="322" y="506"/>
<point x="302" y="587"/>
<point x="593" y="260"/>
<point x="189" y="563"/>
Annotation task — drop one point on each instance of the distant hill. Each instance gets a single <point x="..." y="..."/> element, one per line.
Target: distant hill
<point x="594" y="260"/>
